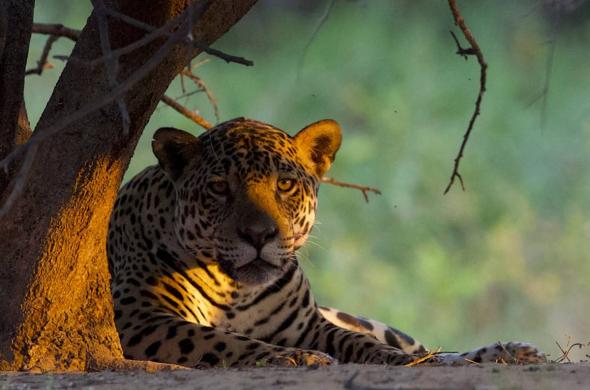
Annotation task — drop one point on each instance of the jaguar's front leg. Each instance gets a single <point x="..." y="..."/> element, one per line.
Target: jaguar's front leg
<point x="173" y="340"/>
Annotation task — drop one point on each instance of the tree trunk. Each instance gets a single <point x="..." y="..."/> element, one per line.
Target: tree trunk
<point x="56" y="304"/>
<point x="16" y="21"/>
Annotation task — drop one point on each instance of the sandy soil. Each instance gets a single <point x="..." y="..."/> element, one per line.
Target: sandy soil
<point x="474" y="377"/>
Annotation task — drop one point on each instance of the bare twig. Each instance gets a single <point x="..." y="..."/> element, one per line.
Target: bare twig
<point x="162" y="31"/>
<point x="191" y="68"/>
<point x="424" y="358"/>
<point x="186" y="112"/>
<point x="130" y="21"/>
<point x="217" y="53"/>
<point x="566" y="351"/>
<point x="153" y="33"/>
<point x="315" y="33"/>
<point x="472" y="361"/>
<point x="42" y="64"/>
<point x="189" y="94"/>
<point x="364" y="189"/>
<point x="56" y="30"/>
<point x="31" y="146"/>
<point x="548" y="70"/>
<point x="176" y="30"/>
<point x="189" y="39"/>
<point x="515" y="360"/>
<point x="112" y="65"/>
<point x="460" y="50"/>
<point x="201" y="84"/>
<point x="19" y="181"/>
<point x="182" y="86"/>
<point x="474" y="50"/>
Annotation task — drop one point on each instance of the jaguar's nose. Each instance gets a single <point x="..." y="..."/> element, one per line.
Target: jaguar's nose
<point x="258" y="239"/>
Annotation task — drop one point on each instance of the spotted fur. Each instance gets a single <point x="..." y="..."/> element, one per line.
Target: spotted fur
<point x="511" y="353"/>
<point x="202" y="247"/>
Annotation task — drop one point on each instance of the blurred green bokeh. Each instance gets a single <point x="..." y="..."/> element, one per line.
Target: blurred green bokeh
<point x="506" y="260"/>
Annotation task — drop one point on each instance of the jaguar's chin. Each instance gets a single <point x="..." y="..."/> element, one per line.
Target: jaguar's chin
<point x="255" y="272"/>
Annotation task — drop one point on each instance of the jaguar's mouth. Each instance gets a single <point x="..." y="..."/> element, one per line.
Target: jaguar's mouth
<point x="257" y="263"/>
<point x="256" y="271"/>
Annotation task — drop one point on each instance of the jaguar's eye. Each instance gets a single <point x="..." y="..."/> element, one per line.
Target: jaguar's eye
<point x="219" y="187"/>
<point x="285" y="185"/>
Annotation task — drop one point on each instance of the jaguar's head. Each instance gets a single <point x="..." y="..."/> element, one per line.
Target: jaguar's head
<point x="246" y="192"/>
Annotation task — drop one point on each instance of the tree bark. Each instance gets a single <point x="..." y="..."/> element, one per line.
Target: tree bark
<point x="56" y="304"/>
<point x="16" y="22"/>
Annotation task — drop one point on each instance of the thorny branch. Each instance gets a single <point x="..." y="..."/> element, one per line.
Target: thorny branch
<point x="178" y="36"/>
<point x="363" y="189"/>
<point x="188" y="39"/>
<point x="57" y="30"/>
<point x="474" y="50"/>
<point x="110" y="59"/>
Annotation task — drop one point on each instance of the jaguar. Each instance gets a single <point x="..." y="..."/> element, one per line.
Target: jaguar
<point x="202" y="254"/>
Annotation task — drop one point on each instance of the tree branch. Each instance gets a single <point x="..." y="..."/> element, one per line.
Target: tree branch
<point x="201" y="84"/>
<point x="56" y="30"/>
<point x="474" y="50"/>
<point x="199" y="45"/>
<point x="323" y="20"/>
<point x="31" y="146"/>
<point x="363" y="189"/>
<point x="43" y="64"/>
<point x="113" y="54"/>
<point x="64" y="205"/>
<point x="16" y="20"/>
<point x="111" y="66"/>
<point x="186" y="112"/>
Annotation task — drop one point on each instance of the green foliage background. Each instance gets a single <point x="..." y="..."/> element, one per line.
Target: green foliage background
<point x="505" y="260"/>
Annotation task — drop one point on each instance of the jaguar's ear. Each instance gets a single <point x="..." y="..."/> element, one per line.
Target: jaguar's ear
<point x="174" y="148"/>
<point x="318" y="144"/>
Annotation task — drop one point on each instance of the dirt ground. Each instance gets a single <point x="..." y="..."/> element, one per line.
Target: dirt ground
<point x="351" y="377"/>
